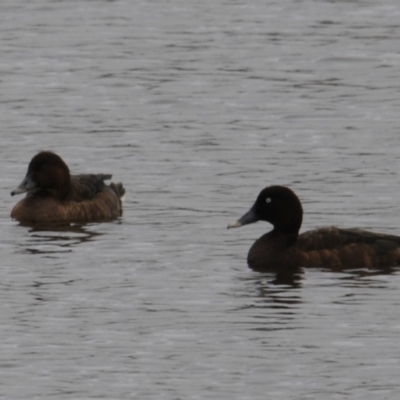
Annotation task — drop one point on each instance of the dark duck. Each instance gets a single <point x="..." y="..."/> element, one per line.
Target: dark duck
<point x="54" y="195"/>
<point x="332" y="247"/>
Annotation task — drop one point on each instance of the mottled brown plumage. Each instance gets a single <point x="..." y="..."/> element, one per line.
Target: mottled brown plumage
<point x="327" y="247"/>
<point x="53" y="195"/>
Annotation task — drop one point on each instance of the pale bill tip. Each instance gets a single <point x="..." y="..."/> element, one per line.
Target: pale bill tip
<point x="235" y="224"/>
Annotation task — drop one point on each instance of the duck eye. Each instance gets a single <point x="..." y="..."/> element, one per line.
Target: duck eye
<point x="268" y="200"/>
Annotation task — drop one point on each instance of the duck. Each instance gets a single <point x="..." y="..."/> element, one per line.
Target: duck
<point x="331" y="247"/>
<point x="54" y="195"/>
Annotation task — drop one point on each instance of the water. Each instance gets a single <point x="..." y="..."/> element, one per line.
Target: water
<point x="195" y="107"/>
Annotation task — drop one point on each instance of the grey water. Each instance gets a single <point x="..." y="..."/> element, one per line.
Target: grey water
<point x="196" y="106"/>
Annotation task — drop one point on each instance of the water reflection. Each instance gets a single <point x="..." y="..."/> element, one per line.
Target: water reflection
<point x="293" y="277"/>
<point x="289" y="276"/>
<point x="367" y="277"/>
<point x="41" y="291"/>
<point x="270" y="289"/>
<point x="47" y="239"/>
<point x="279" y="296"/>
<point x="280" y="288"/>
<point x="269" y="307"/>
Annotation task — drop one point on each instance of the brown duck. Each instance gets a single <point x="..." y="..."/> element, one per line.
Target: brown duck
<point x="53" y="195"/>
<point x="332" y="247"/>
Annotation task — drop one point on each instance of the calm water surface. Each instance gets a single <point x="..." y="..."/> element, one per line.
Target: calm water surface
<point x="195" y="107"/>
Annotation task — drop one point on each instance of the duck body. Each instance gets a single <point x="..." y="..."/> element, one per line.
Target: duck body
<point x="53" y="195"/>
<point x="332" y="247"/>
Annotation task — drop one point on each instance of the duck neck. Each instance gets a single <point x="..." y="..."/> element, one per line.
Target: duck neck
<point x="286" y="237"/>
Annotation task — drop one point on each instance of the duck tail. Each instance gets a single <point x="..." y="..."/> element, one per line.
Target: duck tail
<point x="118" y="189"/>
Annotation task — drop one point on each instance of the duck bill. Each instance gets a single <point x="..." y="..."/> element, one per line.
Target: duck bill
<point x="249" y="218"/>
<point x="27" y="184"/>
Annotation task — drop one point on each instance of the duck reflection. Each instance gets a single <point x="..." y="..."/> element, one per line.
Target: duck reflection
<point x="371" y="278"/>
<point x="267" y="305"/>
<point x="275" y="289"/>
<point x="278" y="286"/>
<point x="47" y="239"/>
<point x="290" y="277"/>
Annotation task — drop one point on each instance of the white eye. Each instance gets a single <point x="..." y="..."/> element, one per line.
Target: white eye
<point x="268" y="200"/>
